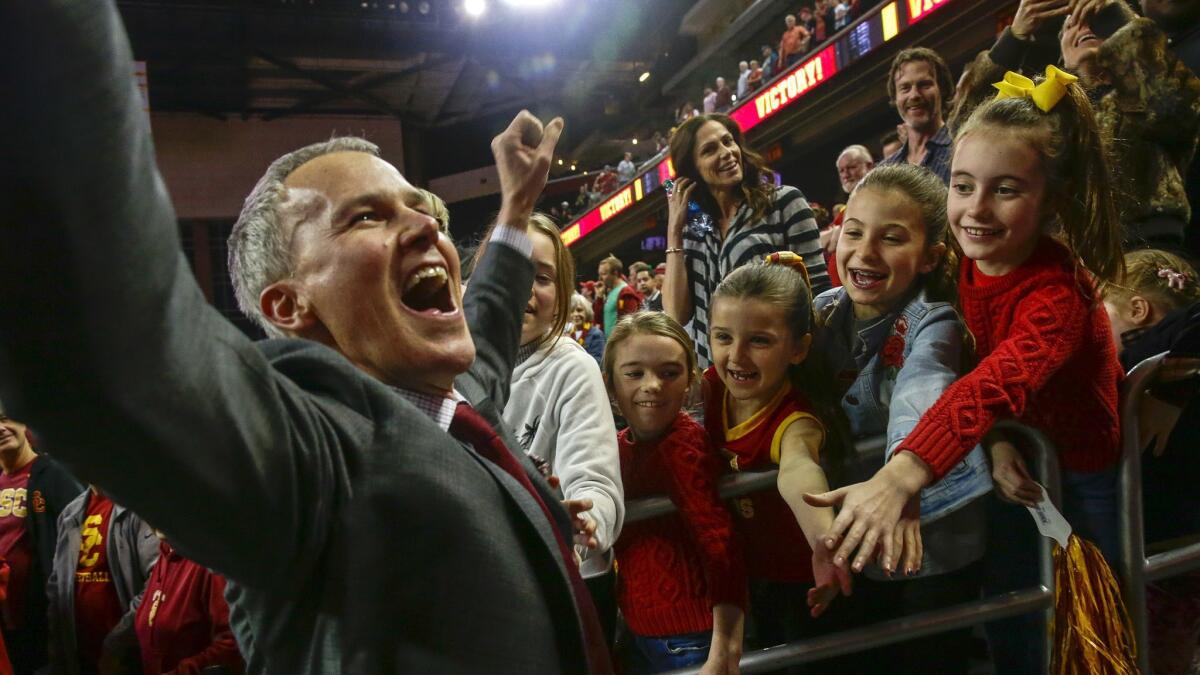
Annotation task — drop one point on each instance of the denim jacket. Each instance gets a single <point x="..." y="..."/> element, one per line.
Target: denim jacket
<point x="910" y="357"/>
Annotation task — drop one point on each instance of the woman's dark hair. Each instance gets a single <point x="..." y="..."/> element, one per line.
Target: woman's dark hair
<point x="757" y="192"/>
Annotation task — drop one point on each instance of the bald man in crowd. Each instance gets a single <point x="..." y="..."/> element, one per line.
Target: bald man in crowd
<point x="351" y="478"/>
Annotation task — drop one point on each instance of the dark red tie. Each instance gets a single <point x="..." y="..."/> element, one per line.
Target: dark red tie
<point x="470" y="427"/>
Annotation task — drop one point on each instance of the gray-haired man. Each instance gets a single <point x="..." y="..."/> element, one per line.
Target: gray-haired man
<point x="355" y="471"/>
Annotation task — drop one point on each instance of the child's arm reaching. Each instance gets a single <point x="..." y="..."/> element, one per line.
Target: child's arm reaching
<point x="800" y="473"/>
<point x="693" y="469"/>
<point x="725" y="652"/>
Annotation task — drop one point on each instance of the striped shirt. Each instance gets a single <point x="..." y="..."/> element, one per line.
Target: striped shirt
<point x="939" y="149"/>
<point x="787" y="225"/>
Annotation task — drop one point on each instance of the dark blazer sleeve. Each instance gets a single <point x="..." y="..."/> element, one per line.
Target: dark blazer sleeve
<point x="494" y="304"/>
<point x="118" y="362"/>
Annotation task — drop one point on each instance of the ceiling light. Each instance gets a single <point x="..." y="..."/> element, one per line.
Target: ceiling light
<point x="474" y="7"/>
<point x="423" y="7"/>
<point x="572" y="167"/>
<point x="560" y="161"/>
<point x="644" y="76"/>
<point x="635" y="141"/>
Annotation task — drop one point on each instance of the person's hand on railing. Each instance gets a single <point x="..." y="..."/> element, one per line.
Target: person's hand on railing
<point x="581" y="523"/>
<point x="1156" y="418"/>
<point x="1177" y="369"/>
<point x="828" y="580"/>
<point x="871" y="510"/>
<point x="1013" y="481"/>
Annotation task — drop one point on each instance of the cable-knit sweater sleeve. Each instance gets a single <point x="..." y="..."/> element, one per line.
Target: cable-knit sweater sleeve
<point x="694" y="470"/>
<point x="1048" y="326"/>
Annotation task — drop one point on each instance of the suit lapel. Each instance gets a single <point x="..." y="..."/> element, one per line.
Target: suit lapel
<point x="517" y="492"/>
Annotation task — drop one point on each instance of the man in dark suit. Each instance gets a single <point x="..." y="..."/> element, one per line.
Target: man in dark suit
<point x="349" y="470"/>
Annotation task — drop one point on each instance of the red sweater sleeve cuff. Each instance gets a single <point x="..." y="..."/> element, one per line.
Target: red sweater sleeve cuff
<point x="940" y="447"/>
<point x="730" y="590"/>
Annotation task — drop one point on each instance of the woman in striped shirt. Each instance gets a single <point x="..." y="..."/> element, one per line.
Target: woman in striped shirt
<point x="741" y="217"/>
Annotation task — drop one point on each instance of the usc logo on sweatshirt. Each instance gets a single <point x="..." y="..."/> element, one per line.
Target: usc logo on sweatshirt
<point x="12" y="502"/>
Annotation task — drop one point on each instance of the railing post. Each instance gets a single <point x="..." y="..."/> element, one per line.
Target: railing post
<point x="1131" y="568"/>
<point x="1045" y="466"/>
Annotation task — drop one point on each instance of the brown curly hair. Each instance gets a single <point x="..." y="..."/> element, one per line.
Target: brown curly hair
<point x="757" y="192"/>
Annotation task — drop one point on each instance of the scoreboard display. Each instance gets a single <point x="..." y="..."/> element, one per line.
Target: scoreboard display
<point x="865" y="35"/>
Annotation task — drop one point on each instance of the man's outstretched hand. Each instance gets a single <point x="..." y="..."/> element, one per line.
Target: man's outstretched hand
<point x="523" y="152"/>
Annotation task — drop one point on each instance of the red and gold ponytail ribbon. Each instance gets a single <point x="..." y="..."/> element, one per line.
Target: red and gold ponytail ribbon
<point x="792" y="260"/>
<point x="1045" y="94"/>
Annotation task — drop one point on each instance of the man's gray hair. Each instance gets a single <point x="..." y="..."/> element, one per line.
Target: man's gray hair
<point x="260" y="244"/>
<point x="861" y="150"/>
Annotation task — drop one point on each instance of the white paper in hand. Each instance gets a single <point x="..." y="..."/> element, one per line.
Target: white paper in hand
<point x="1049" y="521"/>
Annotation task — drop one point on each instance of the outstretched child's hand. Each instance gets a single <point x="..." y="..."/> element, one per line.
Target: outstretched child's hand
<point x="906" y="543"/>
<point x="1012" y="478"/>
<point x="582" y="523"/>
<point x="828" y="580"/>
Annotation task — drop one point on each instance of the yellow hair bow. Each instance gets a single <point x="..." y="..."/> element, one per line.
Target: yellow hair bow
<point x="789" y="259"/>
<point x="1045" y="95"/>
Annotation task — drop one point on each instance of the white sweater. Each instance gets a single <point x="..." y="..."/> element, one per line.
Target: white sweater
<point x="559" y="410"/>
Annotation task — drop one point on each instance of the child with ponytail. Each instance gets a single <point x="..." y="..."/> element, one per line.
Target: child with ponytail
<point x="1031" y="209"/>
<point x="1155" y="308"/>
<point x="893" y="343"/>
<point x="761" y="324"/>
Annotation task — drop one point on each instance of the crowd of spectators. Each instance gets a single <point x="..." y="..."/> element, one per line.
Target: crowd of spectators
<point x="422" y="476"/>
<point x="803" y="32"/>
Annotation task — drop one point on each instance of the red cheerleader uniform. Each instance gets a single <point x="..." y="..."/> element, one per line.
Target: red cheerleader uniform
<point x="775" y="546"/>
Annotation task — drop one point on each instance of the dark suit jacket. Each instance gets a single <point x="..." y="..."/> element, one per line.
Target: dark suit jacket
<point x="315" y="489"/>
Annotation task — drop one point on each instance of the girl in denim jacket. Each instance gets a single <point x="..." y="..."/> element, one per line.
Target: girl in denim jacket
<point x="893" y="342"/>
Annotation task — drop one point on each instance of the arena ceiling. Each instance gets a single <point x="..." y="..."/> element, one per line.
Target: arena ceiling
<point x="424" y="62"/>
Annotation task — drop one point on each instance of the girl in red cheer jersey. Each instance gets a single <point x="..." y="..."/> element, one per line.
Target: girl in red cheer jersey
<point x="182" y="623"/>
<point x="758" y="421"/>
<point x="681" y="584"/>
<point x="1031" y="209"/>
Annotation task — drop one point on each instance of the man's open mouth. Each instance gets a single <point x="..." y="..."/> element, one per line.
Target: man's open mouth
<point x="427" y="290"/>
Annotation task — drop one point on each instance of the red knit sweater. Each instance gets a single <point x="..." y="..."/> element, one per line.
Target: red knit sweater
<point x="1046" y="360"/>
<point x="671" y="570"/>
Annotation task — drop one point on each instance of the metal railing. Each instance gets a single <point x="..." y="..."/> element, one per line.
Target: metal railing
<point x="1134" y="568"/>
<point x="1040" y="598"/>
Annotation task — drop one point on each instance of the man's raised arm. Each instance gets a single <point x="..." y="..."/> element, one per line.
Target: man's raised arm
<point x="495" y="298"/>
<point x="109" y="349"/>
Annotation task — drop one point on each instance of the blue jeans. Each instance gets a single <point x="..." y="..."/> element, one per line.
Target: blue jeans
<point x="660" y="654"/>
<point x="1090" y="506"/>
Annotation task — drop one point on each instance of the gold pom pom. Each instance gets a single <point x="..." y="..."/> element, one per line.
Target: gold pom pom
<point x="1092" y="631"/>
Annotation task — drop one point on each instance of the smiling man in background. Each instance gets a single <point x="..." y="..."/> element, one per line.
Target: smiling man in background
<point x="921" y="88"/>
